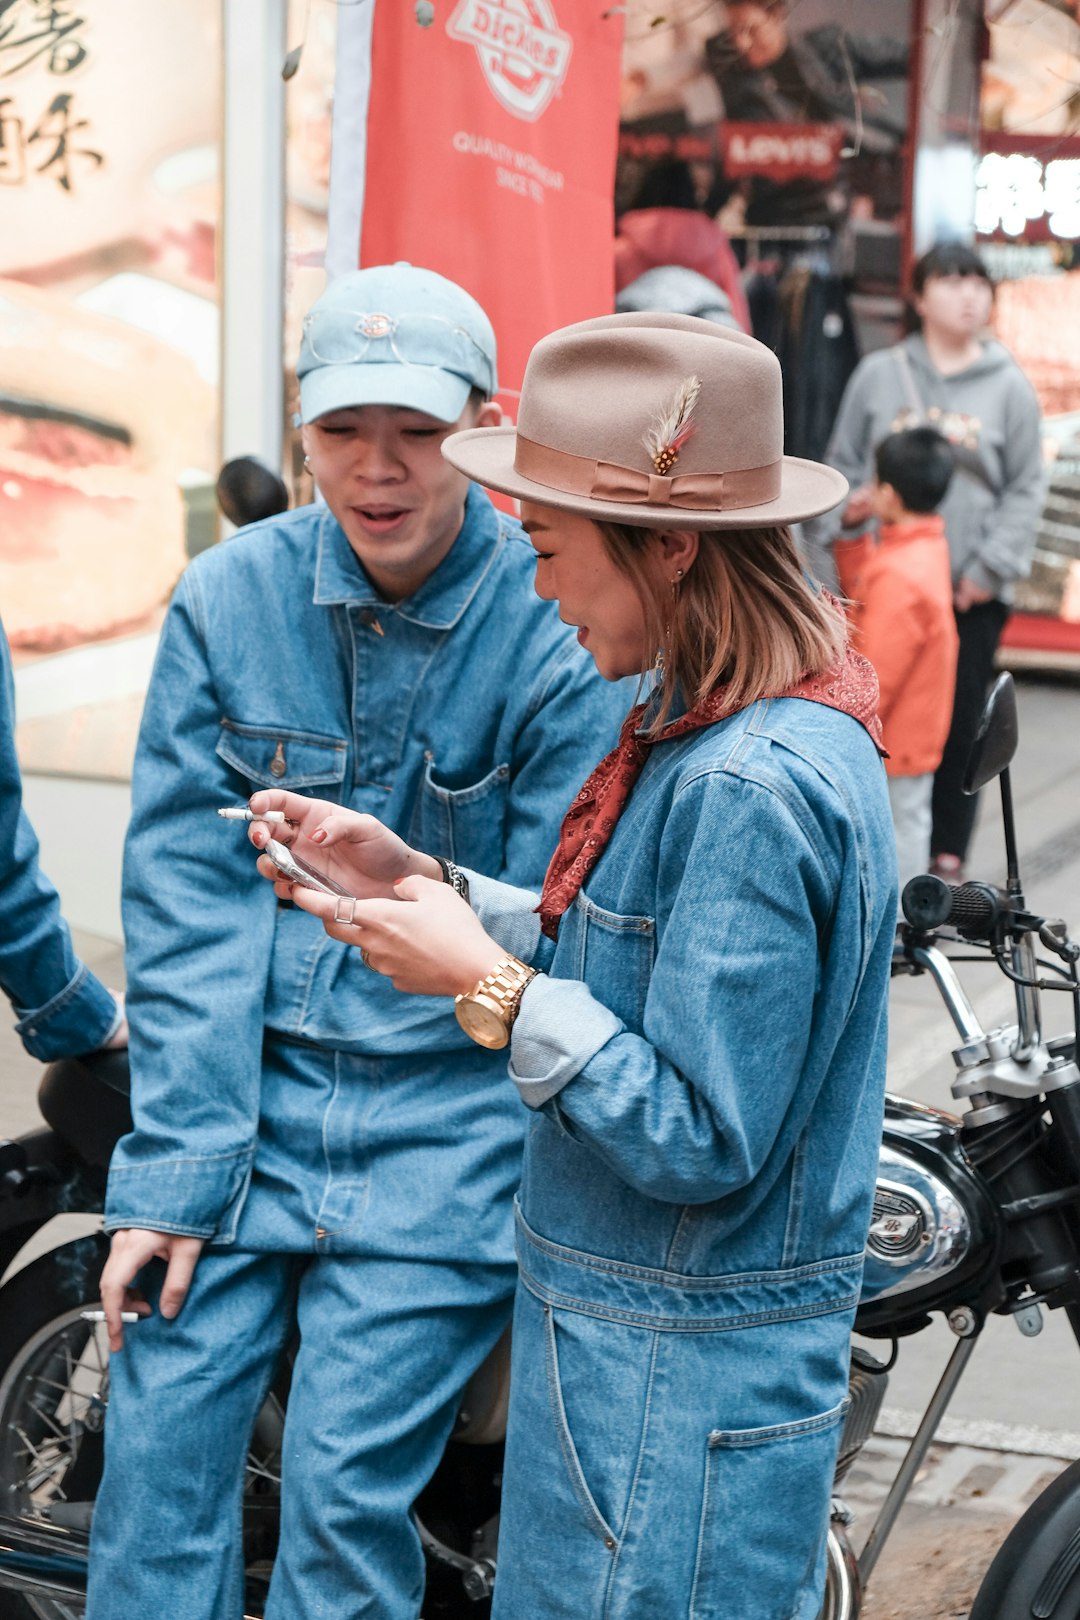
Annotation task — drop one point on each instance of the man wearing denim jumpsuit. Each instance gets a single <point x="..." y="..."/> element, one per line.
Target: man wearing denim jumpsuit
<point x="62" y="1009"/>
<point x="345" y="1154"/>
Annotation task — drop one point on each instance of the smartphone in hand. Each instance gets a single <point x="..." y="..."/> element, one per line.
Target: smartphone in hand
<point x="297" y="870"/>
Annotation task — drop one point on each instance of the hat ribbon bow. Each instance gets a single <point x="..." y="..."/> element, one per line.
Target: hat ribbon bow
<point x="619" y="485"/>
<point x="702" y="491"/>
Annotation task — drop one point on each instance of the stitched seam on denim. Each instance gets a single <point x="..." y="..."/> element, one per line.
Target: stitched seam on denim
<point x="189" y="586"/>
<point x="682" y="1226"/>
<point x="697" y="1285"/>
<point x="646" y="1415"/>
<point x="408" y="729"/>
<point x="614" y="921"/>
<point x="740" y="1439"/>
<point x="703" y="1520"/>
<point x="552" y="669"/>
<point x="316" y="739"/>
<point x="329" y="1182"/>
<point x="363" y="1184"/>
<point x="681" y="1324"/>
<point x="621" y="1268"/>
<point x="320" y="944"/>
<point x="498" y="775"/>
<point x="793" y="1222"/>
<point x="291" y="779"/>
<point x="450" y="624"/>
<point x="566" y="1439"/>
<point x="224" y="1235"/>
<point x="120" y="1223"/>
<point x="194" y="1158"/>
<point x="57" y="1003"/>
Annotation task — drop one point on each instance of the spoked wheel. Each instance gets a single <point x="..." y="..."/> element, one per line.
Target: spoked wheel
<point x="843" y="1589"/>
<point x="54" y="1391"/>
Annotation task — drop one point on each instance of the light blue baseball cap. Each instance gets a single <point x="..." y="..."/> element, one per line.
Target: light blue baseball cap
<point x="395" y="335"/>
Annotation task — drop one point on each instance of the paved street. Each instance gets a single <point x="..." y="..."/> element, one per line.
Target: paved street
<point x="1015" y="1420"/>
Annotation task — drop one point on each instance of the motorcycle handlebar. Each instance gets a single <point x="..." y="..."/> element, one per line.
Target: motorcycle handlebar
<point x="973" y="909"/>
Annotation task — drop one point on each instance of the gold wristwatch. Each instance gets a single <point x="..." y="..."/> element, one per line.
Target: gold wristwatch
<point x="487" y="1012"/>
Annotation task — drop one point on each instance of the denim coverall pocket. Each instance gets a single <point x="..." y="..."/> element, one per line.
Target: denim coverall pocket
<point x="598" y="1376"/>
<point x="614" y="955"/>
<point x="463" y="824"/>
<point x="746" y="1470"/>
<point x="272" y="756"/>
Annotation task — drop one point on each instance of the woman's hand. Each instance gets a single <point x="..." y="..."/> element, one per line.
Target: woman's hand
<point x="434" y="945"/>
<point x="357" y="851"/>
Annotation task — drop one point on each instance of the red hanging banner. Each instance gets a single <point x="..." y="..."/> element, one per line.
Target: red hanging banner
<point x="491" y="144"/>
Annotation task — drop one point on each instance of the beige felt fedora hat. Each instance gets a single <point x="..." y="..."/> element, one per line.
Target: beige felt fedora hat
<point x="659" y="420"/>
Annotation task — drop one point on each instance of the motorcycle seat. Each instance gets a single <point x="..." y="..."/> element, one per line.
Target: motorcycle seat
<point x="87" y="1101"/>
<point x="482" y="1414"/>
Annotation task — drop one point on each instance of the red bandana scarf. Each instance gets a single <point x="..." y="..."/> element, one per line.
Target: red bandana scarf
<point x="850" y="686"/>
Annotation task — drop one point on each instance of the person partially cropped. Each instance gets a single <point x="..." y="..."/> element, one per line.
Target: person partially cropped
<point x="952" y="375"/>
<point x="902" y="616"/>
<point x="61" y="1008"/>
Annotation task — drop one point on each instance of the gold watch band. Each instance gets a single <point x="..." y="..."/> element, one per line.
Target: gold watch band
<point x="487" y="1012"/>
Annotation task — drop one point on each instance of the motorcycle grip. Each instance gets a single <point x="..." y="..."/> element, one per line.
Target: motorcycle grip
<point x="971" y="908"/>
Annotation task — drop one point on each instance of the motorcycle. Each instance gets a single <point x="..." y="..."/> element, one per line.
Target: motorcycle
<point x="972" y="1216"/>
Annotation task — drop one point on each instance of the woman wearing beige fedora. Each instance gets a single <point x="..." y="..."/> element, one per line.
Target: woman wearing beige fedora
<point x="695" y="1008"/>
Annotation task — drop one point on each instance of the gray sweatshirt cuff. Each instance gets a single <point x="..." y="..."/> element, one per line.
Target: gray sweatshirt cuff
<point x="559" y="1028"/>
<point x="508" y="914"/>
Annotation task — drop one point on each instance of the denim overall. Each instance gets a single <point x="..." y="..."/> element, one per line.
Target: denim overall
<point x="349" y="1155"/>
<point x="705" y="1058"/>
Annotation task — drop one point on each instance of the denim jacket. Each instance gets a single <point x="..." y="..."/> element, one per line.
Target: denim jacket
<point x="62" y="1008"/>
<point x="463" y="717"/>
<point x="706" y="1052"/>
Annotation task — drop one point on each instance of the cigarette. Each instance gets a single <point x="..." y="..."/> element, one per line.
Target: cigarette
<point x="99" y="1316"/>
<point x="242" y="813"/>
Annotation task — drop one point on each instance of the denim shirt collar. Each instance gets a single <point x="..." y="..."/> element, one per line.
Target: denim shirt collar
<point x="443" y="597"/>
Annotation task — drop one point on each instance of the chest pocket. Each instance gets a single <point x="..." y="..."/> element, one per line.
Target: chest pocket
<point x="269" y="756"/>
<point x="466" y="824"/>
<point x="614" y="955"/>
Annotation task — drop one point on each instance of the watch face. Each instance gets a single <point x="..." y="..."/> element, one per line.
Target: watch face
<point x="482" y="1024"/>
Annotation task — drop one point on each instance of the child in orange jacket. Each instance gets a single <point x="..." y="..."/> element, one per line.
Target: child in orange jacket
<point x="902" y="617"/>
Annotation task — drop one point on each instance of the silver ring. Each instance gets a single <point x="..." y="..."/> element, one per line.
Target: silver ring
<point x="350" y="919"/>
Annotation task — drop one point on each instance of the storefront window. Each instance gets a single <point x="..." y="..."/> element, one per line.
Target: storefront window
<point x="1027" y="215"/>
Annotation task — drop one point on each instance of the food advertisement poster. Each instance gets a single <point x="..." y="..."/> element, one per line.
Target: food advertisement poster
<point x="110" y="201"/>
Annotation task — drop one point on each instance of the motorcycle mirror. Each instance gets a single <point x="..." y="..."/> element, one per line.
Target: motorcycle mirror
<point x="997" y="737"/>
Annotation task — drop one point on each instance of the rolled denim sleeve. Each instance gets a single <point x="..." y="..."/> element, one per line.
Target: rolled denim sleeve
<point x="198" y="921"/>
<point x="510" y="916"/>
<point x="61" y="1008"/>
<point x="689" y="1110"/>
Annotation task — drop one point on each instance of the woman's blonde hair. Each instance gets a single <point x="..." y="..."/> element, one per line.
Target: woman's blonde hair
<point x="745" y="615"/>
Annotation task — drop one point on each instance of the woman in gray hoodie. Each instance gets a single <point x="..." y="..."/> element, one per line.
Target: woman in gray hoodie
<point x="951" y="375"/>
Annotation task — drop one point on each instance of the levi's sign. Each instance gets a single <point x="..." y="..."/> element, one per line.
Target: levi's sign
<point x="781" y="152"/>
<point x="522" y="50"/>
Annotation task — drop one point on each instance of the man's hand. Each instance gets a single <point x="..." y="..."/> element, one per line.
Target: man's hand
<point x="434" y="945"/>
<point x="967" y="594"/>
<point x="355" y="850"/>
<point x="132" y="1247"/>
